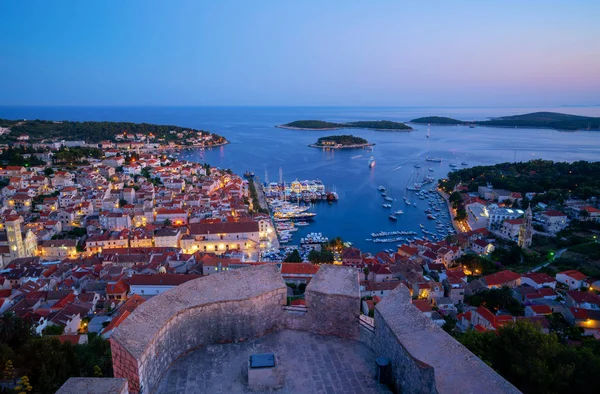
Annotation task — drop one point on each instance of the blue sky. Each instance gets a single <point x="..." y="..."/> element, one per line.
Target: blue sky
<point x="309" y="52"/>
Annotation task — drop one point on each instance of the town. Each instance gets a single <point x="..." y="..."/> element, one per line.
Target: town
<point x="89" y="232"/>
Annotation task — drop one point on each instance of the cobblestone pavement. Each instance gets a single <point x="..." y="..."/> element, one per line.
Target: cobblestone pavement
<point x="309" y="363"/>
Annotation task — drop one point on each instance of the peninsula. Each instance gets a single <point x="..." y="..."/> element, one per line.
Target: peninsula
<point x="547" y="120"/>
<point x="46" y="131"/>
<point x="341" y="142"/>
<point x="368" y="124"/>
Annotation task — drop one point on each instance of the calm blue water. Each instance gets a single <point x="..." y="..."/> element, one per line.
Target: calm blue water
<point x="258" y="146"/>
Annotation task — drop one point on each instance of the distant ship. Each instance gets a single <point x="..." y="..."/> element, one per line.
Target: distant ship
<point x="434" y="159"/>
<point x="371" y="162"/>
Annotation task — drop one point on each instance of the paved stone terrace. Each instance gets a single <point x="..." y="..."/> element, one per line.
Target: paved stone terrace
<point x="309" y="363"/>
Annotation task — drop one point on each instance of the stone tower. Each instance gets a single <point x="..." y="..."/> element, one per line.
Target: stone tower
<point x="526" y="230"/>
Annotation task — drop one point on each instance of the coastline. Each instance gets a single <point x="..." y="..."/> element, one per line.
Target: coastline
<point x="450" y="211"/>
<point x="503" y="127"/>
<point x="183" y="147"/>
<point x="355" y="146"/>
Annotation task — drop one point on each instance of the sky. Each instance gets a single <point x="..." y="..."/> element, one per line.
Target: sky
<point x="300" y="53"/>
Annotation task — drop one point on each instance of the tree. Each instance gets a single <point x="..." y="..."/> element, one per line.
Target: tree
<point x="9" y="371"/>
<point x="122" y="202"/>
<point x="323" y="257"/>
<point x="366" y="272"/>
<point x="168" y="222"/>
<point x="48" y="171"/>
<point x="98" y="371"/>
<point x="455" y="197"/>
<point x="450" y="325"/>
<point x="23" y="386"/>
<point x="293" y="257"/>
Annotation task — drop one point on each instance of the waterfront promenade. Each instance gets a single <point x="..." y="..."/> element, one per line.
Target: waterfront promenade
<point x="459" y="227"/>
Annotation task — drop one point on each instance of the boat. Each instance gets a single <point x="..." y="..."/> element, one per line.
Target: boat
<point x="390" y="199"/>
<point x="430" y="169"/>
<point x="452" y="165"/>
<point x="381" y="188"/>
<point x="417" y="166"/>
<point x="383" y="194"/>
<point x="434" y="159"/>
<point x="302" y="223"/>
<point x="393" y="217"/>
<point x="399" y="212"/>
<point x="430" y="217"/>
<point x="464" y="163"/>
<point x="386" y="205"/>
<point x="371" y="162"/>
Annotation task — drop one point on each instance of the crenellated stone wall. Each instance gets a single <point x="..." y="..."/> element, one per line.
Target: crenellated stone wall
<point x="233" y="306"/>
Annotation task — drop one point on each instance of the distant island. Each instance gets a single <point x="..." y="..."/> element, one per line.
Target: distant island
<point x="547" y="120"/>
<point x="437" y="120"/>
<point x="341" y="142"/>
<point x="322" y="125"/>
<point x="45" y="131"/>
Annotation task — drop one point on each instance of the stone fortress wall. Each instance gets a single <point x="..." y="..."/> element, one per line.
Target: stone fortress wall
<point x="424" y="358"/>
<point x="243" y="304"/>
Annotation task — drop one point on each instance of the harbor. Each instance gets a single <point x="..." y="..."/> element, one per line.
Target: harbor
<point x="290" y="205"/>
<point x="359" y="211"/>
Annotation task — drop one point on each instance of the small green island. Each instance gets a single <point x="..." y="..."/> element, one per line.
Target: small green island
<point x="341" y="142"/>
<point x="386" y="125"/>
<point x="441" y="120"/>
<point x="545" y="120"/>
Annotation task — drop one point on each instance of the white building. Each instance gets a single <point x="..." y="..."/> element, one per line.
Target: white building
<point x="151" y="285"/>
<point x="499" y="215"/>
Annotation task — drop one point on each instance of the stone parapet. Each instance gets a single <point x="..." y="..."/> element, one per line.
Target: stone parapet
<point x="332" y="304"/>
<point x="94" y="386"/>
<point x="424" y="358"/>
<point x="232" y="306"/>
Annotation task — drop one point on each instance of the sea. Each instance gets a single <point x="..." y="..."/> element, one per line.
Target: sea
<point x="256" y="145"/>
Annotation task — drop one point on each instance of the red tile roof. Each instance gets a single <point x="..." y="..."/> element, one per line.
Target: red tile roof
<point x="298" y="269"/>
<point x="574" y="274"/>
<point x="539" y="278"/>
<point x="223" y="228"/>
<point x="541" y="309"/>
<point x="422" y="305"/>
<point x="501" y="278"/>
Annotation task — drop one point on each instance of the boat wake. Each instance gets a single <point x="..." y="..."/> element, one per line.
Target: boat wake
<point x="356" y="157"/>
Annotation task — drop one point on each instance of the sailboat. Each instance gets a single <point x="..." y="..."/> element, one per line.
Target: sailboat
<point x="428" y="130"/>
<point x="387" y="197"/>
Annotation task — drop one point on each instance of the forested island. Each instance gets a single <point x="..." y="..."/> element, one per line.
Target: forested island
<point x="437" y="120"/>
<point x="553" y="180"/>
<point x="547" y="120"/>
<point x="341" y="142"/>
<point x="91" y="132"/>
<point x="368" y="124"/>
